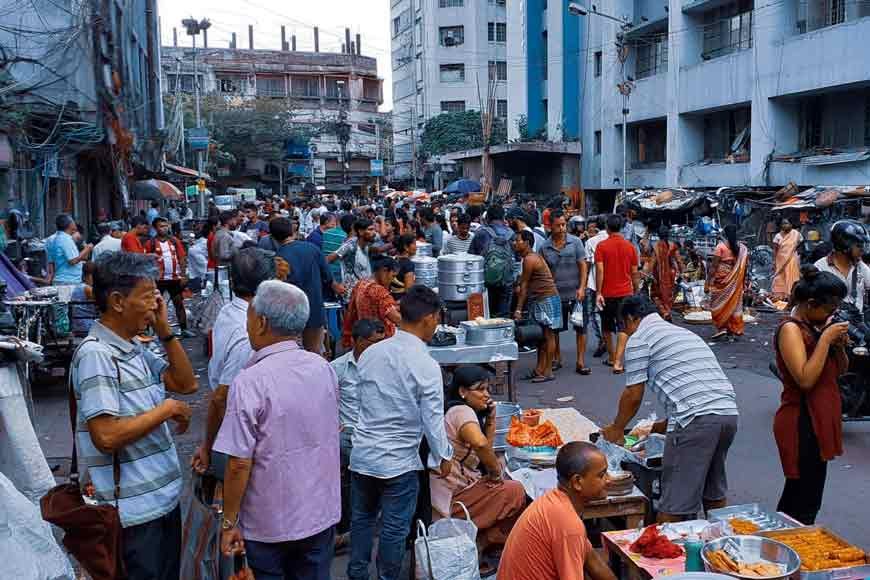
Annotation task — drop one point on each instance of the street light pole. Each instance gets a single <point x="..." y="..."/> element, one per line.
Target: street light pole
<point x="194" y="28"/>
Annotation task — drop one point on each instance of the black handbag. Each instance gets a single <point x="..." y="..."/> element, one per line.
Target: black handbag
<point x="528" y="332"/>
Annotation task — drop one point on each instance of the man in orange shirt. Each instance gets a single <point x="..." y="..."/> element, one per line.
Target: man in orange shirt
<point x="132" y="242"/>
<point x="549" y="540"/>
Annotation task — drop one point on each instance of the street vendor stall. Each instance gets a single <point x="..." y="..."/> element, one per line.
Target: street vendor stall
<point x="496" y="355"/>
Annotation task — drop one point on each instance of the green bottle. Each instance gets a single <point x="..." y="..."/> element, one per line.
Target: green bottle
<point x="693" y="554"/>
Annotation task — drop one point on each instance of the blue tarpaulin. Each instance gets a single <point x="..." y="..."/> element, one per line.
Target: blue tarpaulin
<point x="16" y="281"/>
<point x="462" y="186"/>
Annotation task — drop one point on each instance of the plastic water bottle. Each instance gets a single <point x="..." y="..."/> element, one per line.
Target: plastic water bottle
<point x="693" y="554"/>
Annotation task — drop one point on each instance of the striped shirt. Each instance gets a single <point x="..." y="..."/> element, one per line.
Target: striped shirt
<point x="113" y="376"/>
<point x="680" y="369"/>
<point x="456" y="245"/>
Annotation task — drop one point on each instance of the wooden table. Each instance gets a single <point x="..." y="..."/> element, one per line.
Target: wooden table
<point x="632" y="507"/>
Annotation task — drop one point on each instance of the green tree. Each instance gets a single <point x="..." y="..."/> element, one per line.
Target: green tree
<point x="450" y="132"/>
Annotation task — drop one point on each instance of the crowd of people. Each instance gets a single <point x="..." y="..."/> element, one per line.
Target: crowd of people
<point x="324" y="433"/>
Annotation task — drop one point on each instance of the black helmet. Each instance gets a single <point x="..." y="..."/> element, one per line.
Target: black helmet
<point x="848" y="233"/>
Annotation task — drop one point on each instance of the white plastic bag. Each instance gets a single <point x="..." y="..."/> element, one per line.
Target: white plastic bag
<point x="28" y="549"/>
<point x="577" y="315"/>
<point x="447" y="550"/>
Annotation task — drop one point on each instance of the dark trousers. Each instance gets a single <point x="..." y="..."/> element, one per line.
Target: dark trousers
<point x="306" y="559"/>
<point x="396" y="499"/>
<point x="152" y="551"/>
<point x="802" y="497"/>
<point x="499" y="301"/>
<point x="346" y="448"/>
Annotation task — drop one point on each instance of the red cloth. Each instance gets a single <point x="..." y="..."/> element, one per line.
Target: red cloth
<point x="130" y="243"/>
<point x="209" y="245"/>
<point x="619" y="256"/>
<point x="823" y="402"/>
<point x="368" y="300"/>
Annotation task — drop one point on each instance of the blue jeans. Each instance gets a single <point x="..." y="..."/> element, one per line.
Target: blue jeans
<point x="396" y="498"/>
<point x="346" y="448"/>
<point x="306" y="559"/>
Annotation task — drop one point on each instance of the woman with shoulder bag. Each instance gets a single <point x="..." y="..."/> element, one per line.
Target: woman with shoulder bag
<point x="808" y="425"/>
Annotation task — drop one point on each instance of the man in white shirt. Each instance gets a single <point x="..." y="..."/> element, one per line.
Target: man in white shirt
<point x="597" y="233"/>
<point x="110" y="239"/>
<point x="850" y="241"/>
<point x="365" y="333"/>
<point x="231" y="349"/>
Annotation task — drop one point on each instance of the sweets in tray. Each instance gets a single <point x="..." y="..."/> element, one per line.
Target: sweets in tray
<point x="820" y="549"/>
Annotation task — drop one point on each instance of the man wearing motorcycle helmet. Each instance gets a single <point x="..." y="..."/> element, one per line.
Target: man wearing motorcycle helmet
<point x="851" y="242"/>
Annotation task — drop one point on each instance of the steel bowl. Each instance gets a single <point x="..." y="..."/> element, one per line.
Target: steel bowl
<point x="753" y="549"/>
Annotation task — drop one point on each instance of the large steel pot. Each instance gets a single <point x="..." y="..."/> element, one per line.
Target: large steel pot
<point x="753" y="549"/>
<point x="424" y="250"/>
<point x="460" y="277"/>
<point x="460" y="263"/>
<point x="458" y="292"/>
<point x="489" y="334"/>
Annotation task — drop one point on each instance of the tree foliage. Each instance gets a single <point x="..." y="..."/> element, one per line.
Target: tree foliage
<point x="450" y="132"/>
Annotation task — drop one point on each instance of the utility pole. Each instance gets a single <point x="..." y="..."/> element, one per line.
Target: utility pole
<point x="179" y="108"/>
<point x="414" y="143"/>
<point x="378" y="154"/>
<point x="624" y="88"/>
<point x="194" y="28"/>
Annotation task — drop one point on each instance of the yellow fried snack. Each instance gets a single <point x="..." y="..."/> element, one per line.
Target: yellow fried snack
<point x="821" y="551"/>
<point x="741" y="526"/>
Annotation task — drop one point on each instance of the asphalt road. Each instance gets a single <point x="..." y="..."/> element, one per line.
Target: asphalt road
<point x="754" y="470"/>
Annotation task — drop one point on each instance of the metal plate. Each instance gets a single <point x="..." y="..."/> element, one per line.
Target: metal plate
<point x="752" y="512"/>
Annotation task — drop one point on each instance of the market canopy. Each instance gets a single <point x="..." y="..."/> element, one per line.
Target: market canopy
<point x="186" y="171"/>
<point x="821" y="197"/>
<point x="654" y="200"/>
<point x="156" y="190"/>
<point x="463" y="186"/>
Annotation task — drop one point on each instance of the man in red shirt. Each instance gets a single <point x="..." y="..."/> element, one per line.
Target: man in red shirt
<point x="132" y="240"/>
<point x="172" y="267"/>
<point x="616" y="277"/>
<point x="549" y="540"/>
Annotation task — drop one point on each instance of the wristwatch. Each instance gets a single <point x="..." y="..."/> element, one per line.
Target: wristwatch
<point x="227" y="525"/>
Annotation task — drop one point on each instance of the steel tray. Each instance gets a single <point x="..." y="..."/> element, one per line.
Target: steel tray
<point x="753" y="512"/>
<point x="832" y="573"/>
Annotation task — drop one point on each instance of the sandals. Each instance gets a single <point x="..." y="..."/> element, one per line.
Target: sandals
<point x="618" y="371"/>
<point x="583" y="370"/>
<point x="536" y="378"/>
<point x="607" y="363"/>
<point x="719" y="335"/>
<point x="557" y="365"/>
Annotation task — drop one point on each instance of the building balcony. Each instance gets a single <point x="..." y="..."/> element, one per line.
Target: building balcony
<point x="720" y="82"/>
<point x="824" y="58"/>
<point x="645" y="177"/>
<point x="648" y="100"/>
<point x="811" y="175"/>
<point x="715" y="175"/>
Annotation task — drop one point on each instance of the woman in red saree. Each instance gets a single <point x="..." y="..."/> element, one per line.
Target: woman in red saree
<point x="727" y="283"/>
<point x="371" y="298"/>
<point x="666" y="267"/>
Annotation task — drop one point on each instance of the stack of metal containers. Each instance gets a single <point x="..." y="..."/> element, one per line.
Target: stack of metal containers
<point x="459" y="276"/>
<point x="426" y="271"/>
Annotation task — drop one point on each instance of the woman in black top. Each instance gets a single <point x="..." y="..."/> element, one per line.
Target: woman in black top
<point x="406" y="248"/>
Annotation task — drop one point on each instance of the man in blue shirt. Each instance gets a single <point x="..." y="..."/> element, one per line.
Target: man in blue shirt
<point x="63" y="253"/>
<point x="152" y="215"/>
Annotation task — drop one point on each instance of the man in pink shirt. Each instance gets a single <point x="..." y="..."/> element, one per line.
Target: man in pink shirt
<point x="282" y="409"/>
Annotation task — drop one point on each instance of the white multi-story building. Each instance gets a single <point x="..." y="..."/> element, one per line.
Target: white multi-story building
<point x="443" y="54"/>
<point x="728" y="93"/>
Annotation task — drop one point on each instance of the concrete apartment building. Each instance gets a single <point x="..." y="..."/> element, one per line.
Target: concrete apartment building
<point x="728" y="93"/>
<point x="321" y="87"/>
<point x="443" y="53"/>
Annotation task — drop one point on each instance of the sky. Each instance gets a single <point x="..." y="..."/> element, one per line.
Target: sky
<point x="369" y="18"/>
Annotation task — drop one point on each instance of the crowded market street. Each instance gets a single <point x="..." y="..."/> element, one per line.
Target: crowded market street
<point x="754" y="474"/>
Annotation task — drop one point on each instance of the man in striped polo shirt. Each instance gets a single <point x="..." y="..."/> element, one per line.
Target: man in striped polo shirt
<point x="699" y="402"/>
<point x="123" y="414"/>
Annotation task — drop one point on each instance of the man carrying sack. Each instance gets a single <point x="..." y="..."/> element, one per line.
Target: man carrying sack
<point x="123" y="442"/>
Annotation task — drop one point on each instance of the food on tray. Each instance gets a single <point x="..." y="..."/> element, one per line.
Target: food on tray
<point x="653" y="544"/>
<point x="741" y="526"/>
<point x="699" y="316"/>
<point x="481" y="321"/>
<point x="820" y="550"/>
<point x="542" y="435"/>
<point x="722" y="562"/>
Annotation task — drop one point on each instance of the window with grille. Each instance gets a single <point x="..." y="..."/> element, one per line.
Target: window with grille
<point x="652" y="56"/>
<point x="230" y="85"/>
<point x="501" y="109"/>
<point x="497" y="2"/>
<point x="836" y="12"/>
<point x="597" y="144"/>
<point x="497" y="32"/>
<point x="305" y="86"/>
<point x="271" y="87"/>
<point x="452" y="106"/>
<point x="336" y="88"/>
<point x="598" y="58"/>
<point x="498" y="70"/>
<point x="545" y="51"/>
<point x="450" y="3"/>
<point x="397" y="26"/>
<point x="727" y="29"/>
<point x="186" y="83"/>
<point x="452" y="73"/>
<point x="725" y="133"/>
<point x="451" y="35"/>
<point x="651" y="142"/>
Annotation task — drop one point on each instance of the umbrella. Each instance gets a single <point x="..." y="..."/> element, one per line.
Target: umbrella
<point x="155" y="190"/>
<point x="462" y="186"/>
